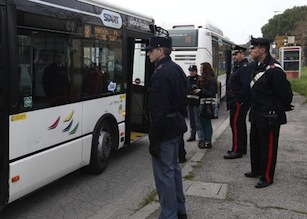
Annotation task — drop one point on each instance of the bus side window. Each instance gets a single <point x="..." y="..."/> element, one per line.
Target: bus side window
<point x="55" y="79"/>
<point x="41" y="58"/>
<point x="94" y="82"/>
<point x="25" y="71"/>
<point x="76" y="70"/>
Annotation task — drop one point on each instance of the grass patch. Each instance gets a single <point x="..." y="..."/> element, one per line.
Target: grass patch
<point x="189" y="177"/>
<point x="150" y="197"/>
<point x="300" y="85"/>
<point x="197" y="165"/>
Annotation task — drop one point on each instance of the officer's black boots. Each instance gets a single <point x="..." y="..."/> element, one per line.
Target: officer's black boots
<point x="233" y="155"/>
<point x="262" y="184"/>
<point x="252" y="175"/>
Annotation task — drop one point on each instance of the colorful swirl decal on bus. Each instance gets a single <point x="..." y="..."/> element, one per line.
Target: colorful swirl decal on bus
<point x="74" y="130"/>
<point x="68" y="118"/>
<point x="55" y="124"/>
<point x="68" y="127"/>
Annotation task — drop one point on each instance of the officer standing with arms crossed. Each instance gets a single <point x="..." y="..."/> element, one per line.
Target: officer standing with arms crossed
<point x="238" y="102"/>
<point x="271" y="96"/>
<point x="167" y="104"/>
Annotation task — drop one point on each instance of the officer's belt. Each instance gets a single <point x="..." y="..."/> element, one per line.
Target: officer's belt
<point x="172" y="114"/>
<point x="192" y="96"/>
<point x="264" y="109"/>
<point x="232" y="93"/>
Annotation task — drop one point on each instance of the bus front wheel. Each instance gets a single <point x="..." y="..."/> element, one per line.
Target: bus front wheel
<point x="101" y="149"/>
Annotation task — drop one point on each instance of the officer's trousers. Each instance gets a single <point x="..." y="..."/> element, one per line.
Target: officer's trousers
<point x="168" y="179"/>
<point x="237" y="117"/>
<point x="263" y="150"/>
<point x="182" y="151"/>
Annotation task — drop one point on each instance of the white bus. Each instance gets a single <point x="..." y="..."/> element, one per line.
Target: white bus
<point x="67" y="97"/>
<point x="194" y="45"/>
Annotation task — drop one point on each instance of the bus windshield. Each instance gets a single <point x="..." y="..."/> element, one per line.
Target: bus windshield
<point x="184" y="37"/>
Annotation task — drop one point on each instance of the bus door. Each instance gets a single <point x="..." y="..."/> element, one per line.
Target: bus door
<point x="137" y="89"/>
<point x="228" y="65"/>
<point x="3" y="111"/>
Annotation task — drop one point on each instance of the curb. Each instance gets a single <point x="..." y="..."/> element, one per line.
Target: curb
<point x="150" y="208"/>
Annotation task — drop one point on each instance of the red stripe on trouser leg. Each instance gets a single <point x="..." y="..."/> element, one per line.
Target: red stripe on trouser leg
<point x="270" y="156"/>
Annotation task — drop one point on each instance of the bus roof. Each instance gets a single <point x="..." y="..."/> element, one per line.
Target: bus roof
<point x="209" y="27"/>
<point x="110" y="6"/>
<point x="205" y="26"/>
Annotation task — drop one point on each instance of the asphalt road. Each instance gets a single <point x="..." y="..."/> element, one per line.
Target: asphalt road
<point x="117" y="193"/>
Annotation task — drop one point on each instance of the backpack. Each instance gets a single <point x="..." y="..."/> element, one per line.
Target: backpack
<point x="286" y="105"/>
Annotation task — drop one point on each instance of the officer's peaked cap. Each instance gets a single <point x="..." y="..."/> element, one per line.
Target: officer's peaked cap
<point x="156" y="42"/>
<point x="192" y="68"/>
<point x="260" y="41"/>
<point x="236" y="48"/>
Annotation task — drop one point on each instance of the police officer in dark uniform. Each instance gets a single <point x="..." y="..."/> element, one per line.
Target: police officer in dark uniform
<point x="238" y="102"/>
<point x="271" y="96"/>
<point x="167" y="104"/>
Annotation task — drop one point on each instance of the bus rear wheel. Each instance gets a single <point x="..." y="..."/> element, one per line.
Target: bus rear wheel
<point x="101" y="149"/>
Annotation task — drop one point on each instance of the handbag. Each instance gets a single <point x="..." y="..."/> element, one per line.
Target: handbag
<point x="208" y="108"/>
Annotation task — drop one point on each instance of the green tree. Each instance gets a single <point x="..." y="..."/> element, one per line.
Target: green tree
<point x="285" y="23"/>
<point x="292" y="22"/>
<point x="300" y="33"/>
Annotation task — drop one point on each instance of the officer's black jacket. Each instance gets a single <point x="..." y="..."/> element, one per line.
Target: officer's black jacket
<point x="167" y="101"/>
<point x="270" y="93"/>
<point x="192" y="85"/>
<point x="238" y="84"/>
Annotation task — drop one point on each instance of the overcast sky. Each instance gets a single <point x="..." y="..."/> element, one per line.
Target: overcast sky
<point x="238" y="19"/>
